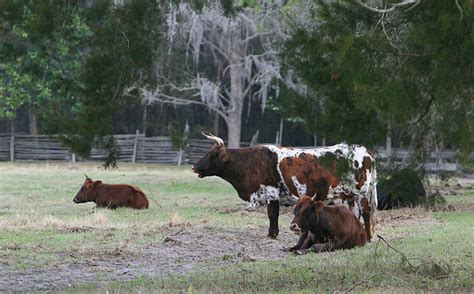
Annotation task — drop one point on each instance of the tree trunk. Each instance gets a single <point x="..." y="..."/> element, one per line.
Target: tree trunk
<point x="12" y="140"/>
<point x="216" y="121"/>
<point x="33" y="122"/>
<point x="163" y="121"/>
<point x="235" y="113"/>
<point x="233" y="128"/>
<point x="234" y="120"/>
<point x="144" y="118"/>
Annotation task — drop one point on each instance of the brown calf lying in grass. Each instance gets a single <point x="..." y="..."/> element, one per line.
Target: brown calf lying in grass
<point x="325" y="228"/>
<point x="111" y="196"/>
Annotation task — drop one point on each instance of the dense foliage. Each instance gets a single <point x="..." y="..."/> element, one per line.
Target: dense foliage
<point x="121" y="56"/>
<point x="409" y="70"/>
<point x="42" y="53"/>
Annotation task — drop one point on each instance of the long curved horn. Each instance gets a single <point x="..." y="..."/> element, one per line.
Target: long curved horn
<point x="87" y="178"/>
<point x="219" y="142"/>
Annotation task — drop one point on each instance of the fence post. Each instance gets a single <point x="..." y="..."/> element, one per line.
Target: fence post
<point x="185" y="134"/>
<point x="73" y="157"/>
<point x="254" y="140"/>
<point x="388" y="140"/>
<point x="12" y="147"/>
<point x="135" y="145"/>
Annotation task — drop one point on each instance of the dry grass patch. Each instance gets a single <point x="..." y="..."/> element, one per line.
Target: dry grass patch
<point x="38" y="222"/>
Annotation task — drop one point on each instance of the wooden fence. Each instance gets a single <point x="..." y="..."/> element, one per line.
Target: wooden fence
<point x="138" y="148"/>
<point x="133" y="148"/>
<point x="437" y="161"/>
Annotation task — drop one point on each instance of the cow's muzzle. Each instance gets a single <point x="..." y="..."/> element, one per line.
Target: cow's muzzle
<point x="75" y="200"/>
<point x="196" y="171"/>
<point x="295" y="228"/>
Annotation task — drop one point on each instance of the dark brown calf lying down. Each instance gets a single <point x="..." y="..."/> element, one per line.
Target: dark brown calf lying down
<point x="111" y="196"/>
<point x="325" y="228"/>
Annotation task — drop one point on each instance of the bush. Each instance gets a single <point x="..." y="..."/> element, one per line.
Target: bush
<point x="404" y="188"/>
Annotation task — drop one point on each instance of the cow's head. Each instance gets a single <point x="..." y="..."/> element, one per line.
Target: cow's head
<point x="86" y="193"/>
<point x="215" y="159"/>
<point x="306" y="214"/>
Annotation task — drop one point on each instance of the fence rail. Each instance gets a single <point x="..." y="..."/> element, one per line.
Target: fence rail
<point x="133" y="148"/>
<point x="440" y="161"/>
<point x="138" y="148"/>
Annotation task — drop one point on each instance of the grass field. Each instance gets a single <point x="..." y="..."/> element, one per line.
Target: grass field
<point x="198" y="236"/>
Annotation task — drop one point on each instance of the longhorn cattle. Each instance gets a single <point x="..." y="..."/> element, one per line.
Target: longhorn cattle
<point x="325" y="228"/>
<point x="111" y="196"/>
<point x="268" y="174"/>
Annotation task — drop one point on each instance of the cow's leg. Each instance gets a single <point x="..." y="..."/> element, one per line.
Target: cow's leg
<point x="322" y="247"/>
<point x="273" y="211"/>
<point x="328" y="246"/>
<point x="366" y="215"/>
<point x="303" y="242"/>
<point x="308" y="241"/>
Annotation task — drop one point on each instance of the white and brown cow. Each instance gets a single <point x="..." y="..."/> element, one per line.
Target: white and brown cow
<point x="266" y="174"/>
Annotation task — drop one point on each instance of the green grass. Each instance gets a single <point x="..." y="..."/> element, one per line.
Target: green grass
<point x="441" y="260"/>
<point x="41" y="228"/>
<point x="39" y="221"/>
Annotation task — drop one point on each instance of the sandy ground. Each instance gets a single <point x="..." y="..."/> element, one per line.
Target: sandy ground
<point x="187" y="249"/>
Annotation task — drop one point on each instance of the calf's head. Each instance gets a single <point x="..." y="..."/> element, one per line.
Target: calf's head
<point x="86" y="193"/>
<point x="213" y="163"/>
<point x="306" y="214"/>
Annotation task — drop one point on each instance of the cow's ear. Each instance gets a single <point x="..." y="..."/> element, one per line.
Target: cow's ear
<point x="318" y="205"/>
<point x="96" y="183"/>
<point x="223" y="156"/>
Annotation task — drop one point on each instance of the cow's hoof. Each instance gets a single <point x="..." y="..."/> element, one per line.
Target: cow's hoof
<point x="287" y="249"/>
<point x="301" y="252"/>
<point x="273" y="234"/>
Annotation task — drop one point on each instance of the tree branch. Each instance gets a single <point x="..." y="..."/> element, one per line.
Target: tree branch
<point x="250" y="85"/>
<point x="183" y="101"/>
<point x="254" y="36"/>
<point x="460" y="9"/>
<point x="215" y="47"/>
<point x="392" y="8"/>
<point x="427" y="109"/>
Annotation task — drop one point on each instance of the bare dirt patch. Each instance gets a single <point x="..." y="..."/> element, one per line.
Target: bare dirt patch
<point x="453" y="186"/>
<point x="180" y="252"/>
<point x="389" y="221"/>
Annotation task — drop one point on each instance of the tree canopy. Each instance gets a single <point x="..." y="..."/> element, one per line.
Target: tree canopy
<point x="410" y="70"/>
<point x="42" y="52"/>
<point x="121" y="54"/>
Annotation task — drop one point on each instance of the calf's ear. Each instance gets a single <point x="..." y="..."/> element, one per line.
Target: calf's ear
<point x="318" y="205"/>
<point x="96" y="183"/>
